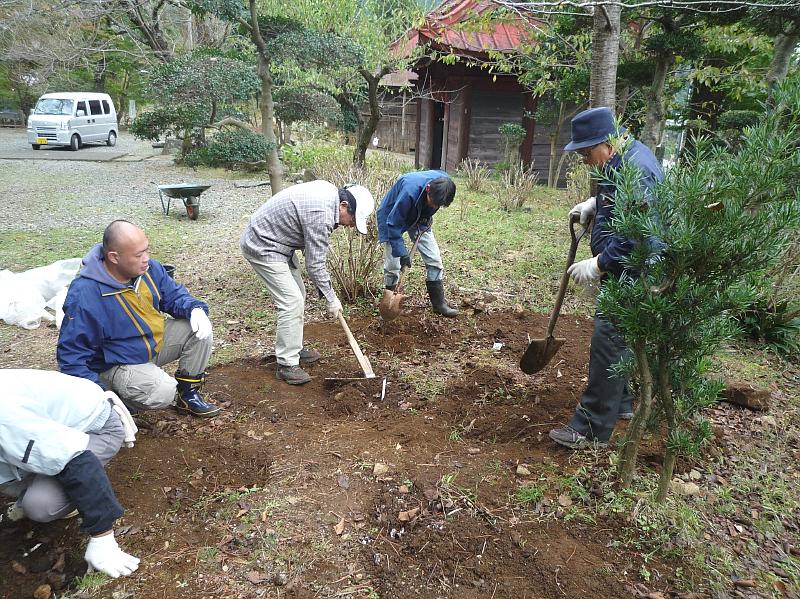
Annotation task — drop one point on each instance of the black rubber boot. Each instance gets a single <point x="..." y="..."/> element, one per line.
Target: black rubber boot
<point x="436" y="293"/>
<point x="188" y="399"/>
<point x="390" y="287"/>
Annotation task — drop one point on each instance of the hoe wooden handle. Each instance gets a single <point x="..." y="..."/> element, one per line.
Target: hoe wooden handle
<point x="362" y="359"/>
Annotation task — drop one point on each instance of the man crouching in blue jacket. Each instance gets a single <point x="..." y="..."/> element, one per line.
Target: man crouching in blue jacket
<point x="116" y="332"/>
<point x="409" y="206"/>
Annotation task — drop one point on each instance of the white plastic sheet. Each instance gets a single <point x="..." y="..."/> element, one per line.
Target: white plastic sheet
<point x="25" y="296"/>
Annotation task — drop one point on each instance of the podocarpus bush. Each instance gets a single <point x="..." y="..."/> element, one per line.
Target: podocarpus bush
<point x="718" y="219"/>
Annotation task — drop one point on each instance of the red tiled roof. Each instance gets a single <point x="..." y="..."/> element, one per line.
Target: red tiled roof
<point x="440" y="30"/>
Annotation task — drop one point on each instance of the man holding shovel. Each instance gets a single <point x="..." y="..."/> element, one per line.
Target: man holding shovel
<point x="409" y="207"/>
<point x="301" y="217"/>
<point x="607" y="396"/>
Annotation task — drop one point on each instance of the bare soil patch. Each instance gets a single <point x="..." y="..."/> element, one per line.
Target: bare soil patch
<point x="316" y="492"/>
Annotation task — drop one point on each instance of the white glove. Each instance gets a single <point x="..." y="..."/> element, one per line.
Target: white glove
<point x="334" y="308"/>
<point x="201" y="325"/>
<point x="125" y="416"/>
<point x="104" y="555"/>
<point x="585" y="210"/>
<point x="586" y="271"/>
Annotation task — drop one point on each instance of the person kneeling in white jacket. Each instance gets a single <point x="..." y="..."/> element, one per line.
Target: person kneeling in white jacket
<point x="56" y="434"/>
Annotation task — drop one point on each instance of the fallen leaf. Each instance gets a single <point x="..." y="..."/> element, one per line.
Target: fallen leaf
<point x="408" y="515"/>
<point x="43" y="591"/>
<point x="522" y="470"/>
<point x="745" y="583"/>
<point x="18" y="568"/>
<point x="564" y="500"/>
<point x="339" y="528"/>
<point x="402" y="489"/>
<point x="379" y="469"/>
<point x="257" y="577"/>
<point x="343" y="481"/>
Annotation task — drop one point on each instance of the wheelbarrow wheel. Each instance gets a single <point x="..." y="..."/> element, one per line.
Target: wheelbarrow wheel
<point x="192" y="209"/>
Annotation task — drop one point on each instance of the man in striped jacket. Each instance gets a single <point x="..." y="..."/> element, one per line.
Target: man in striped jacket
<point x="125" y="318"/>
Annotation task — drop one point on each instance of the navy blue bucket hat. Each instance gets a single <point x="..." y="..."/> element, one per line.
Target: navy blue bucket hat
<point x="592" y="127"/>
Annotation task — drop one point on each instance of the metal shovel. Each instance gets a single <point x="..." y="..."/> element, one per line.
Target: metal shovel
<point x="541" y="351"/>
<point x="390" y="305"/>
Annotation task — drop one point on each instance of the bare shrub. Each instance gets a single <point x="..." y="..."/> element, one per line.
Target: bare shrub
<point x="516" y="186"/>
<point x="475" y="172"/>
<point x="354" y="259"/>
<point x="578" y="179"/>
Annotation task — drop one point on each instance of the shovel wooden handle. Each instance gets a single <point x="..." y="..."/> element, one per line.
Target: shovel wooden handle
<point x="399" y="287"/>
<point x="573" y="250"/>
<point x="362" y="359"/>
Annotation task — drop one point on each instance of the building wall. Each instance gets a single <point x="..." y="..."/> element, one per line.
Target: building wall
<point x="397" y="129"/>
<point x="490" y="109"/>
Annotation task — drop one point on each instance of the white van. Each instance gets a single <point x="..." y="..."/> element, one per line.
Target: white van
<point x="72" y="119"/>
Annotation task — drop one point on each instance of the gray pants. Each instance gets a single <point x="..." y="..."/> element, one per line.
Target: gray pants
<point x="147" y="386"/>
<point x="42" y="497"/>
<point x="285" y="285"/>
<point x="427" y="248"/>
<point x="606" y="395"/>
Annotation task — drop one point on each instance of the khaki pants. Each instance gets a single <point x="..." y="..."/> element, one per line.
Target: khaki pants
<point x="147" y="386"/>
<point x="285" y="285"/>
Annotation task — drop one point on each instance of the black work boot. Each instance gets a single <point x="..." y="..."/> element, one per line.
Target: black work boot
<point x="390" y="287"/>
<point x="436" y="293"/>
<point x="188" y="399"/>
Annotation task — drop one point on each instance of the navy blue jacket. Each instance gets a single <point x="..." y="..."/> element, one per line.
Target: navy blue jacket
<point x="609" y="246"/>
<point x="403" y="207"/>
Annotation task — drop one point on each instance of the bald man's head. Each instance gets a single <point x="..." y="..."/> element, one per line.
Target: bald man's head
<point x="116" y="233"/>
<point x="126" y="250"/>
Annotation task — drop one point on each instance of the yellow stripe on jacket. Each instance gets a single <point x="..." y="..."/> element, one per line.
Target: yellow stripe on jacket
<point x="140" y="304"/>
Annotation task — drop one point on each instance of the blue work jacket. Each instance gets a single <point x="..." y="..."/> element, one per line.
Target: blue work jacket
<point x="403" y="207"/>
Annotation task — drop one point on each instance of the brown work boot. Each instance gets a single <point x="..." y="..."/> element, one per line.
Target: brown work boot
<point x="309" y="356"/>
<point x="294" y="375"/>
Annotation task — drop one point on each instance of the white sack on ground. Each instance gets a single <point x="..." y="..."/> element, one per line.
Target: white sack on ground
<point x="24" y="296"/>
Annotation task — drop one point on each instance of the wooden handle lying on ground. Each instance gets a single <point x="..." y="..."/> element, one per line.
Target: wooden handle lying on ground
<point x="362" y="359"/>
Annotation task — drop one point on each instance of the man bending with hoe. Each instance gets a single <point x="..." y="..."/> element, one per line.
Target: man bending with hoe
<point x="408" y="207"/>
<point x="607" y="396"/>
<point x="301" y="217"/>
<point x="125" y="318"/>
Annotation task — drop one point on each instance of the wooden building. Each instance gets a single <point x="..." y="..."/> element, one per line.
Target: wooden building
<point x="460" y="106"/>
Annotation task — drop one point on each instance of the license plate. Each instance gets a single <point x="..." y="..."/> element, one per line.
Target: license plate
<point x="41" y="141"/>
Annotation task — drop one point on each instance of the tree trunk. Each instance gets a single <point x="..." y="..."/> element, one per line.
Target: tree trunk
<point x="671" y="455"/>
<point x="785" y="43"/>
<point x="367" y="128"/>
<point x="553" y="166"/>
<point x="633" y="436"/>
<point x="605" y="55"/>
<point x="654" y="95"/>
<point x="274" y="166"/>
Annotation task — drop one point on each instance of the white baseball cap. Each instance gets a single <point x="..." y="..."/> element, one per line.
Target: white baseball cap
<point x="365" y="205"/>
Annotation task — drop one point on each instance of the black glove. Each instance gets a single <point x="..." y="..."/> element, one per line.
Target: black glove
<point x="405" y="261"/>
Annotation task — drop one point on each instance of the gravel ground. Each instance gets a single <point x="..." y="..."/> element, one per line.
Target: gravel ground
<point x="73" y="201"/>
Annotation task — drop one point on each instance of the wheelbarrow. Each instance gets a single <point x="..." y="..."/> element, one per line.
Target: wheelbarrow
<point x="188" y="192"/>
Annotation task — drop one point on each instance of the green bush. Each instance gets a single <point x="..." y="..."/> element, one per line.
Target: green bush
<point x="314" y="155"/>
<point x="778" y="325"/>
<point x="231" y="148"/>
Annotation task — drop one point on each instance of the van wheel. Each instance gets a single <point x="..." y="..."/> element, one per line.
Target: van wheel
<point x="112" y="139"/>
<point x="75" y="143"/>
<point x="35" y="146"/>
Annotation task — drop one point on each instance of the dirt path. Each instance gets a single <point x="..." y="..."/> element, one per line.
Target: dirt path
<point x="301" y="492"/>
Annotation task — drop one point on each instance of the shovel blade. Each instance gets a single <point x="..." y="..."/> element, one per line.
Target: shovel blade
<point x="390" y="305"/>
<point x="539" y="354"/>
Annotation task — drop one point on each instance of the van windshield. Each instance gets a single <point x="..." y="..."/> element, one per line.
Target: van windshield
<point x="53" y="106"/>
